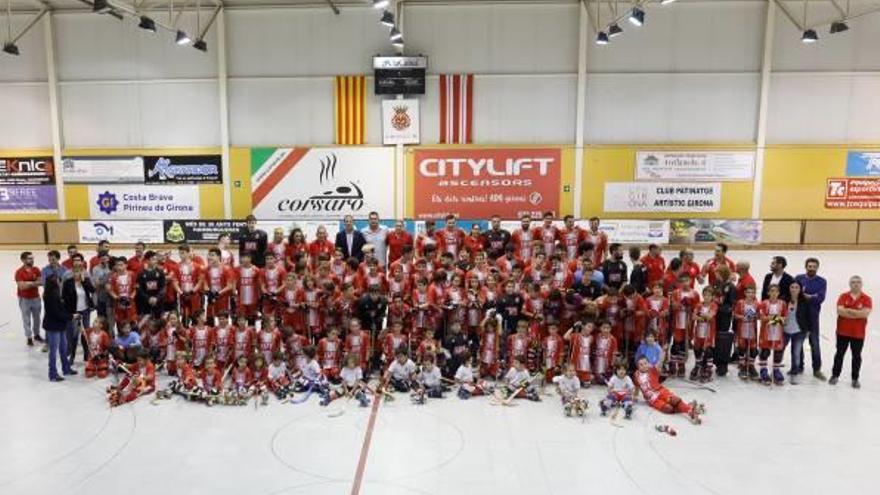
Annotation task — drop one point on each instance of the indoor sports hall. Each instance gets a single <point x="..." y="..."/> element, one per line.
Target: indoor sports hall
<point x="280" y="247"/>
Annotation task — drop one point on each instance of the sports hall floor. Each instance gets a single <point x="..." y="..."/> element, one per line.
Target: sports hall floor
<point x="807" y="439"/>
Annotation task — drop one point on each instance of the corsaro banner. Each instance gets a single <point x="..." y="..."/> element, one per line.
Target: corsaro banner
<point x="188" y="169"/>
<point x="316" y="183"/>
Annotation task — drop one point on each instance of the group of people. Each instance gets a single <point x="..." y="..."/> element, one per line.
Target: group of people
<point x="541" y="304"/>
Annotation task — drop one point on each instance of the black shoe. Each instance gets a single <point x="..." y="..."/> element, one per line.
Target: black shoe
<point x="832" y="380"/>
<point x="30" y="342"/>
<point x="56" y="379"/>
<point x="71" y="372"/>
<point x="39" y="339"/>
<point x="856" y="384"/>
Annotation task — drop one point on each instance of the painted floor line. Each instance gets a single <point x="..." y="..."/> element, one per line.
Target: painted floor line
<point x="365" y="448"/>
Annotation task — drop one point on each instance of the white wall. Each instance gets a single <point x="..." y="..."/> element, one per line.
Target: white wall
<point x="691" y="74"/>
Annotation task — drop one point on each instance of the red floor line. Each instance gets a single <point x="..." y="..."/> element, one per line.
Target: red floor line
<point x="365" y="448"/>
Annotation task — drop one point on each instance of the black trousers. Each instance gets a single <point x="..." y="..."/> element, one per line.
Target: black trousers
<point x="856" y="346"/>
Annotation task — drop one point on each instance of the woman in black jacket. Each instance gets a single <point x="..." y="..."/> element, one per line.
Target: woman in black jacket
<point x="797" y="327"/>
<point x="78" y="293"/>
<point x="55" y="322"/>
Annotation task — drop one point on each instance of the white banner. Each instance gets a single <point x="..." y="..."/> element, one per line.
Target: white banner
<point x="147" y="202"/>
<point x="126" y="232"/>
<point x="634" y="231"/>
<point x="103" y="170"/>
<point x="320" y="183"/>
<point x="400" y="121"/>
<point x="673" y="197"/>
<point x="695" y="165"/>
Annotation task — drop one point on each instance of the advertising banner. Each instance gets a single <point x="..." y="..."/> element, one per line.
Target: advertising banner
<point x="853" y="194"/>
<point x="481" y="182"/>
<point x="126" y="231"/>
<point x="139" y="202"/>
<point x="27" y="185"/>
<point x="189" y="169"/>
<point x="695" y="165"/>
<point x="317" y="183"/>
<point x="698" y="231"/>
<point x="672" y="197"/>
<point x="863" y="164"/>
<point x="103" y="170"/>
<point x="633" y="231"/>
<point x="400" y="121"/>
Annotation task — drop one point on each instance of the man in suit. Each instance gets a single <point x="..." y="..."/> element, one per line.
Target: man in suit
<point x="349" y="240"/>
<point x="777" y="276"/>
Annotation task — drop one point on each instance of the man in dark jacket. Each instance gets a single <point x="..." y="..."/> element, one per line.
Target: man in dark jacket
<point x="778" y="276"/>
<point x="496" y="239"/>
<point x="150" y="287"/>
<point x="77" y="293"/>
<point x="253" y="241"/>
<point x="350" y="240"/>
<point x="55" y="321"/>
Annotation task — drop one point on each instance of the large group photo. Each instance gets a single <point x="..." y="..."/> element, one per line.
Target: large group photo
<point x="399" y="247"/>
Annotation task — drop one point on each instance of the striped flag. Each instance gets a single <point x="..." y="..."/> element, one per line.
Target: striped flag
<point x="350" y="106"/>
<point x="456" y="108"/>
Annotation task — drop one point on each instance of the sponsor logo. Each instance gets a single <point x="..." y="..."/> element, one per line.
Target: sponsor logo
<point x="102" y="229"/>
<point x="25" y="166"/>
<point x="335" y="196"/>
<point x="510" y="167"/>
<point x="836" y="189"/>
<point x="175" y="233"/>
<point x="107" y="202"/>
<point x="168" y="171"/>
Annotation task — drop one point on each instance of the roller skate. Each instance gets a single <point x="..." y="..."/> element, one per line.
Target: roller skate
<point x="778" y="378"/>
<point x="743" y="372"/>
<point x="765" y="376"/>
<point x="679" y="372"/>
<point x="532" y="395"/>
<point x="753" y="373"/>
<point x="628" y="412"/>
<point x="567" y="409"/>
<point x="418" y="397"/>
<point x="603" y="406"/>
<point x="362" y="399"/>
<point x="706" y="375"/>
<point x="694" y="414"/>
<point x="463" y="393"/>
<point x="695" y="373"/>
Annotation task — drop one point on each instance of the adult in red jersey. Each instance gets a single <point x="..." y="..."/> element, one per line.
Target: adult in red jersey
<point x="599" y="240"/>
<point x="28" y="281"/>
<point x="654" y="264"/>
<point x="396" y="240"/>
<point x="719" y="259"/>
<point x="522" y="238"/>
<point x="744" y="279"/>
<point x="451" y="238"/>
<point x="853" y="308"/>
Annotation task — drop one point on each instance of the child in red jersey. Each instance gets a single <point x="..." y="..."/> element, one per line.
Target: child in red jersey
<point x="704" y="336"/>
<point x="490" y="345"/>
<point x="605" y="347"/>
<point x="580" y="339"/>
<point x="746" y="314"/>
<point x="139" y="380"/>
<point x="330" y="355"/>
<point x="647" y="380"/>
<point x="773" y="312"/>
<point x="98" y="343"/>
<point x="683" y="300"/>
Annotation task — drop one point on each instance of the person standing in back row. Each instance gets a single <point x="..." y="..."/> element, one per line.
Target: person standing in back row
<point x="777" y="276"/>
<point x="253" y="241"/>
<point x="376" y="234"/>
<point x="814" y="289"/>
<point x="853" y="308"/>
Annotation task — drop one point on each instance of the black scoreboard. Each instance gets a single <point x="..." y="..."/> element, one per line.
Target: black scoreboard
<point x="400" y="75"/>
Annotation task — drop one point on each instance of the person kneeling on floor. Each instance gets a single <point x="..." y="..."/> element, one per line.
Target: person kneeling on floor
<point x="659" y="397"/>
<point x="519" y="382"/>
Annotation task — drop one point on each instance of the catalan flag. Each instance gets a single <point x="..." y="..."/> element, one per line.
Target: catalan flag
<point x="350" y="107"/>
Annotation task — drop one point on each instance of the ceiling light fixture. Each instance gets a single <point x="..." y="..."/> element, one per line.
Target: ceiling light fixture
<point x="182" y="38"/>
<point x="637" y="16"/>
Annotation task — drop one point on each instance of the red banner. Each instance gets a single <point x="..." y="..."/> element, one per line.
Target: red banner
<point x="853" y="194"/>
<point x="479" y="183"/>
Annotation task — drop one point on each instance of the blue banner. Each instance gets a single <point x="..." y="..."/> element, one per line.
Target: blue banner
<point x="863" y="164"/>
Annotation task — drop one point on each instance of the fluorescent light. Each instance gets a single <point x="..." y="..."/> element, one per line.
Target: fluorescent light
<point x="602" y="38"/>
<point x="637" y="16"/>
<point x="810" y="36"/>
<point x="182" y="38"/>
<point x="398" y="43"/>
<point x="147" y="24"/>
<point x="380" y="4"/>
<point x="10" y="48"/>
<point x="839" y="27"/>
<point x="614" y="30"/>
<point x="387" y="19"/>
<point x="664" y="2"/>
<point x="395" y="34"/>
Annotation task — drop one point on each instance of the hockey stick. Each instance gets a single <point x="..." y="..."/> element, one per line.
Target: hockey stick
<point x="700" y="386"/>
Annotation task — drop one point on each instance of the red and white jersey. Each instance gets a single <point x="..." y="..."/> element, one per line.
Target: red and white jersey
<point x="683" y="302"/>
<point x="600" y="245"/>
<point x="517" y="347"/>
<point x="168" y="340"/>
<point x="581" y="351"/>
<point x="223" y="343"/>
<point x="571" y="239"/>
<point x="450" y="241"/>
<point x="268" y="343"/>
<point x="489" y="347"/>
<point x="769" y="309"/>
<point x="201" y="340"/>
<point x="294" y="345"/>
<point x="243" y="340"/>
<point x="656" y="307"/>
<point x="218" y="277"/>
<point x="649" y="383"/>
<point x="421" y="314"/>
<point x="273" y="279"/>
<point x="312" y="298"/>
<point x="705" y="329"/>
<point x="188" y="276"/>
<point x="423" y="240"/>
<point x="278" y="248"/>
<point x="329" y="353"/>
<point x="123" y="283"/>
<point x="211" y="380"/>
<point x="522" y="243"/>
<point x="242" y="377"/>
<point x="400" y="287"/>
<point x="552" y="348"/>
<point x="98" y="340"/>
<point x="358" y="343"/>
<point x="548" y="236"/>
<point x="227" y="258"/>
<point x="750" y="312"/>
<point x="393" y="343"/>
<point x="606" y="347"/>
<point x="248" y="290"/>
